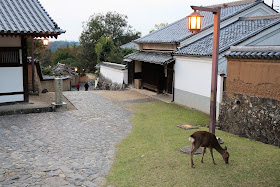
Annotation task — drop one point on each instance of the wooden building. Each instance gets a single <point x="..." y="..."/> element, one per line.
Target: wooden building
<point x="176" y="61"/>
<point x="20" y="20"/>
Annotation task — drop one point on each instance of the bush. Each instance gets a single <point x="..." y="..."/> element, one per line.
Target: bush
<point x="47" y="71"/>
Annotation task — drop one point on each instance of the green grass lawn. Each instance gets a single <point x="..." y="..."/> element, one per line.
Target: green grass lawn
<point x="150" y="155"/>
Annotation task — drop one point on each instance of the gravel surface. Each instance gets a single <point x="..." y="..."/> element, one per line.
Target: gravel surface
<point x="69" y="148"/>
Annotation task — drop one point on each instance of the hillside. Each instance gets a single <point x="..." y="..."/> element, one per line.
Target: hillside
<point x="53" y="46"/>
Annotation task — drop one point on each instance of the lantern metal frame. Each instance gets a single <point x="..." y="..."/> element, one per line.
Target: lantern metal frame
<point x="197" y="26"/>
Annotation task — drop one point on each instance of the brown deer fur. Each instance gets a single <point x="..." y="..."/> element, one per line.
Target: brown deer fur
<point x="206" y="139"/>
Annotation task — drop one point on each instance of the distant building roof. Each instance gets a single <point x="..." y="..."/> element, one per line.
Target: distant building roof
<point x="230" y="35"/>
<point x="255" y="52"/>
<point x="177" y="31"/>
<point x="26" y="17"/>
<point x="151" y="57"/>
<point x="130" y="45"/>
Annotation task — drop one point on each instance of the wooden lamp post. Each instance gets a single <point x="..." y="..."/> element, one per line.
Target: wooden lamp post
<point x="194" y="25"/>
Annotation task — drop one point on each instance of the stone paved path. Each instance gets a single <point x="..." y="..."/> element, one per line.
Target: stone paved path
<point x="71" y="148"/>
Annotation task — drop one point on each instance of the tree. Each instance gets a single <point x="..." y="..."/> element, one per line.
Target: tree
<point x="158" y="26"/>
<point x="41" y="53"/>
<point x="99" y="27"/>
<point x="66" y="55"/>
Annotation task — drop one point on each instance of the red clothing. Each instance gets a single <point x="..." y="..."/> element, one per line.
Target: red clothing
<point x="78" y="85"/>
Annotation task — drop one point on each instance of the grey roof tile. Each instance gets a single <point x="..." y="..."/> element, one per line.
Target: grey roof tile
<point x="177" y="31"/>
<point x="26" y="17"/>
<point x="229" y="36"/>
<point x="114" y="65"/>
<point x="130" y="45"/>
<point x="151" y="57"/>
<point x="262" y="52"/>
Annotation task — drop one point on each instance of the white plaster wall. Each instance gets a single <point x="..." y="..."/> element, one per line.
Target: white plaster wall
<point x="10" y="41"/>
<point x="116" y="76"/>
<point x="11" y="79"/>
<point x="11" y="98"/>
<point x="193" y="74"/>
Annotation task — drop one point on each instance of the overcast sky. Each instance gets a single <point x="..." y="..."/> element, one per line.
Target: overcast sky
<point x="142" y="15"/>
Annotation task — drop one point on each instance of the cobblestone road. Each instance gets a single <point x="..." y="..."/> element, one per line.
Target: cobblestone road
<point x="71" y="148"/>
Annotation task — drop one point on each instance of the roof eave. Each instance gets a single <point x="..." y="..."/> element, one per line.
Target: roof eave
<point x="225" y="18"/>
<point x="173" y="42"/>
<point x="191" y="55"/>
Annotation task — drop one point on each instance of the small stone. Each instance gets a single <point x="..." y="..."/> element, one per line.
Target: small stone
<point x="61" y="175"/>
<point x="75" y="177"/>
<point x="7" y="182"/>
<point x="78" y="183"/>
<point x="100" y="181"/>
<point x="65" y="169"/>
<point x="53" y="173"/>
<point x="89" y="184"/>
<point x="36" y="176"/>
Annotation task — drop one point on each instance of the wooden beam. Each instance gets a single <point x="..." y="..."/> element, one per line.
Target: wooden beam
<point x="214" y="10"/>
<point x="25" y="68"/>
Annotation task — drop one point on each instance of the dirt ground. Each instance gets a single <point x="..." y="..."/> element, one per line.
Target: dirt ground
<point x="124" y="95"/>
<point x="49" y="98"/>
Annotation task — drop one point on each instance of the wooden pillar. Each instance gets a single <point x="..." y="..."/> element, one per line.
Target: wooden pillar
<point x="25" y="68"/>
<point x="32" y="63"/>
<point x="215" y="63"/>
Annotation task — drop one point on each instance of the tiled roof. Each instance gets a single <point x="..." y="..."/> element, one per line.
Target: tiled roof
<point x="257" y="52"/>
<point x="151" y="57"/>
<point x="114" y="65"/>
<point x="130" y="45"/>
<point x="230" y="35"/>
<point x="177" y="31"/>
<point x="26" y="17"/>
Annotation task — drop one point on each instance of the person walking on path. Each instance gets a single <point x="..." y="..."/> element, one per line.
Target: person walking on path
<point x="86" y="86"/>
<point x="78" y="86"/>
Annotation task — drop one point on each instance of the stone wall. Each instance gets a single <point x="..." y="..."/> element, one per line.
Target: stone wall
<point x="107" y="84"/>
<point x="251" y="116"/>
<point x="49" y="85"/>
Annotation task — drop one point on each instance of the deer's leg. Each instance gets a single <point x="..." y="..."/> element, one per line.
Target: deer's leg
<point x="194" y="148"/>
<point x="211" y="151"/>
<point x="204" y="149"/>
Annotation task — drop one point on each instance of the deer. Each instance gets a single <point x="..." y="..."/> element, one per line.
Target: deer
<point x="206" y="139"/>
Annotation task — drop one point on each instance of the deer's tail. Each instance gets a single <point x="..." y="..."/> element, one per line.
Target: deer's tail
<point x="191" y="139"/>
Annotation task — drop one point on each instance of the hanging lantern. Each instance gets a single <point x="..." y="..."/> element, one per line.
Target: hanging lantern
<point x="194" y="22"/>
<point x="45" y="42"/>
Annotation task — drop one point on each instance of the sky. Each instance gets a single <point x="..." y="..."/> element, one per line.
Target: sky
<point x="71" y="15"/>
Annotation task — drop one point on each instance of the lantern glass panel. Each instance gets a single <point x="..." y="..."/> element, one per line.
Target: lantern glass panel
<point x="198" y="21"/>
<point x="193" y="23"/>
<point x="45" y="42"/>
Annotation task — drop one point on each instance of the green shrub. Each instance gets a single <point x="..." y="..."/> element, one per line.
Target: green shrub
<point x="47" y="71"/>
